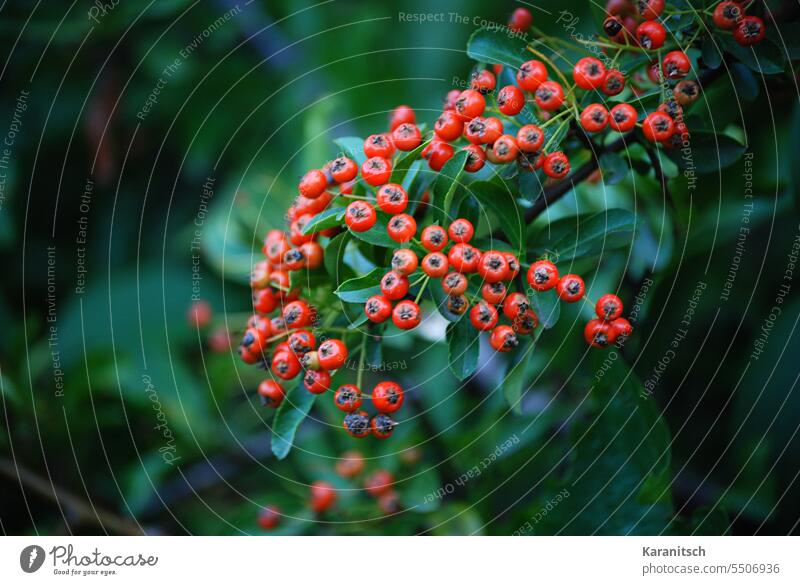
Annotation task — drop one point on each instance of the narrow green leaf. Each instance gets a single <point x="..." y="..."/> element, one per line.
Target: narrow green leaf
<point x="331" y="217"/>
<point x="764" y="57"/>
<point x="334" y="254"/>
<point x="708" y="152"/>
<point x="439" y="298"/>
<point x="501" y="201"/>
<point x="515" y="381"/>
<point x="359" y="289"/>
<point x="403" y="165"/>
<point x="464" y="346"/>
<point x="445" y="185"/>
<point x="712" y="54"/>
<point x="584" y="235"/>
<point x="497" y="46"/>
<point x="614" y="167"/>
<point x="352" y="147"/>
<point x="547" y="307"/>
<point x="294" y="408"/>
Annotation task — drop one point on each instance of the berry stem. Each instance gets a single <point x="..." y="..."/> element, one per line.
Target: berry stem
<point x="362" y="352"/>
<point x="422" y="289"/>
<point x="549" y="61"/>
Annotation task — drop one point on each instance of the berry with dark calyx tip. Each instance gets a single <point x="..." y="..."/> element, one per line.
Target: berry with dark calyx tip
<point x="297" y="314"/>
<point x="301" y="341"/>
<point x="248" y="356"/>
<point x="556" y="165"/>
<point x="493" y="292"/>
<point x="503" y="338"/>
<point x="649" y="9"/>
<point x="401" y="227"/>
<point x="483" y="81"/>
<point x="589" y="73"/>
<point x="461" y="230"/>
<point x="619" y="7"/>
<point x="402" y="115"/>
<point x="448" y="126"/>
<point x="531" y="75"/>
<point x="296" y="235"/>
<point x="450" y="100"/>
<point x="348" y="398"/>
<point x="277" y="326"/>
<point x="434" y="238"/>
<point x="275" y="248"/>
<point x="464" y="258"/>
<point x="389" y="503"/>
<point x="404" y="261"/>
<point x="261" y="324"/>
<point x="254" y="340"/>
<point x="454" y="283"/>
<point x="505" y="149"/>
<point x="676" y="64"/>
<point x="679" y="136"/>
<point x="727" y="14"/>
<point x="750" y="30"/>
<point x="654" y="73"/>
<point x="406" y="137"/>
<point x="457" y="304"/>
<point x="269" y="517"/>
<point x="259" y="277"/>
<point x="530" y="138"/>
<point x="612" y="26"/>
<point x="476" y="158"/>
<point x="357" y="424"/>
<point x="513" y="265"/>
<point x="493" y="266"/>
<point x="614" y="82"/>
<point x="437" y="153"/>
<point x="378" y="483"/>
<point x="271" y="393"/>
<point x="378" y="308"/>
<point x="623" y="118"/>
<point x="570" y="288"/>
<point x="343" y="169"/>
<point x="392" y="198"/>
<point x="520" y="20"/>
<point x="394" y="285"/>
<point x="483" y="316"/>
<point x="387" y="397"/>
<point x="350" y="464"/>
<point x="317" y="381"/>
<point x="510" y="100"/>
<point x="594" y="118"/>
<point x="525" y="322"/>
<point x="470" y="103"/>
<point x="651" y="34"/>
<point x="294" y="259"/>
<point x="475" y="130"/>
<point x="376" y="170"/>
<point x="378" y="145"/>
<point x="360" y="216"/>
<point x="622" y="327"/>
<point x="672" y="109"/>
<point x="285" y="365"/>
<point x="658" y="126"/>
<point x="406" y="315"/>
<point x="686" y="92"/>
<point x="323" y="496"/>
<point x="435" y="265"/>
<point x="549" y="96"/>
<point x="264" y="301"/>
<point x="514" y="304"/>
<point x="332" y="354"/>
<point x="313" y="254"/>
<point x="598" y="333"/>
<point x="608" y="307"/>
<point x="382" y="426"/>
<point x="313" y="184"/>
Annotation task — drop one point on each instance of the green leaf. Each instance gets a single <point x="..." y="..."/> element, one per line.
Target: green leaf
<point x="353" y="147"/>
<point x="764" y="57"/>
<point x="464" y="346"/>
<point x="377" y="235"/>
<point x="709" y="152"/>
<point x="584" y="235"/>
<point x="546" y="306"/>
<point x="328" y="218"/>
<point x="794" y="143"/>
<point x="497" y="46"/>
<point x="403" y="165"/>
<point x="745" y="82"/>
<point x="712" y="55"/>
<point x="614" y="167"/>
<point x="333" y="258"/>
<point x="499" y="199"/>
<point x="517" y="374"/>
<point x="358" y="290"/>
<point x="439" y="298"/>
<point x="294" y="408"/>
<point x="445" y="185"/>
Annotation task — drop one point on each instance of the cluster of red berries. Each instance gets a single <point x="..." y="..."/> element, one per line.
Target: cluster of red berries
<point x="747" y="29"/>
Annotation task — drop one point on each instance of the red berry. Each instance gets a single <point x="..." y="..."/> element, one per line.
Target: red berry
<point x="676" y="64"/>
<point x="332" y="354"/>
<point x="360" y="216"/>
<point x="401" y="227"/>
<point x="622" y="327"/>
<point x="464" y="258"/>
<point x="749" y="31"/>
<point x="271" y="393"/>
<point x="392" y="198"/>
<point x="613" y="27"/>
<point x="493" y="292"/>
<point x="434" y="238"/>
<point x="649" y="9"/>
<point x="343" y="169"/>
<point x="379" y="483"/>
<point x="301" y="341"/>
<point x="461" y="230"/>
<point x="623" y="118"/>
<point x="686" y="92"/>
<point x="313" y="184"/>
<point x="297" y="314"/>
<point x="513" y="265"/>
<point x="317" y="381"/>
<point x="351" y="463"/>
<point x="598" y="333"/>
<point x="379" y="145"/>
<point x="264" y="301"/>
<point x="394" y="285"/>
<point x="401" y="115"/>
<point x="476" y="158"/>
<point x="658" y="126"/>
<point x="454" y="283"/>
<point x="481" y="130"/>
<point x="483" y="81"/>
<point x="570" y="288"/>
<point x="520" y="20"/>
<point x="435" y="265"/>
<point x="406" y="137"/>
<point x="437" y="153"/>
<point x="323" y="496"/>
<point x="483" y="316"/>
<point x="357" y="424"/>
<point x="269" y="517"/>
<point x="530" y="138"/>
<point x="406" y="315"/>
<point x="378" y="308"/>
<point x="448" y="126"/>
<point x="470" y="103"/>
<point x="556" y="165"/>
<point x="510" y="100"/>
<point x="651" y="34"/>
<point x="404" y="261"/>
<point x="457" y="304"/>
<point x="594" y="118"/>
<point x="549" y="96"/>
<point x="614" y="82"/>
<point x="608" y="307"/>
<point x="387" y="397"/>
<point x="515" y="304"/>
<point x="376" y="170"/>
<point x="285" y="365"/>
<point x="347" y="398"/>
<point x="531" y="75"/>
<point x="382" y="427"/>
<point x="503" y="338"/>
<point x="505" y="149"/>
<point x="525" y="322"/>
<point x="589" y="73"/>
<point x="727" y="14"/>
<point x="313" y="254"/>
<point x="493" y="266"/>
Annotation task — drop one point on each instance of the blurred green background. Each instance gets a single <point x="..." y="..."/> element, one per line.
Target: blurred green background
<point x="256" y="102"/>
